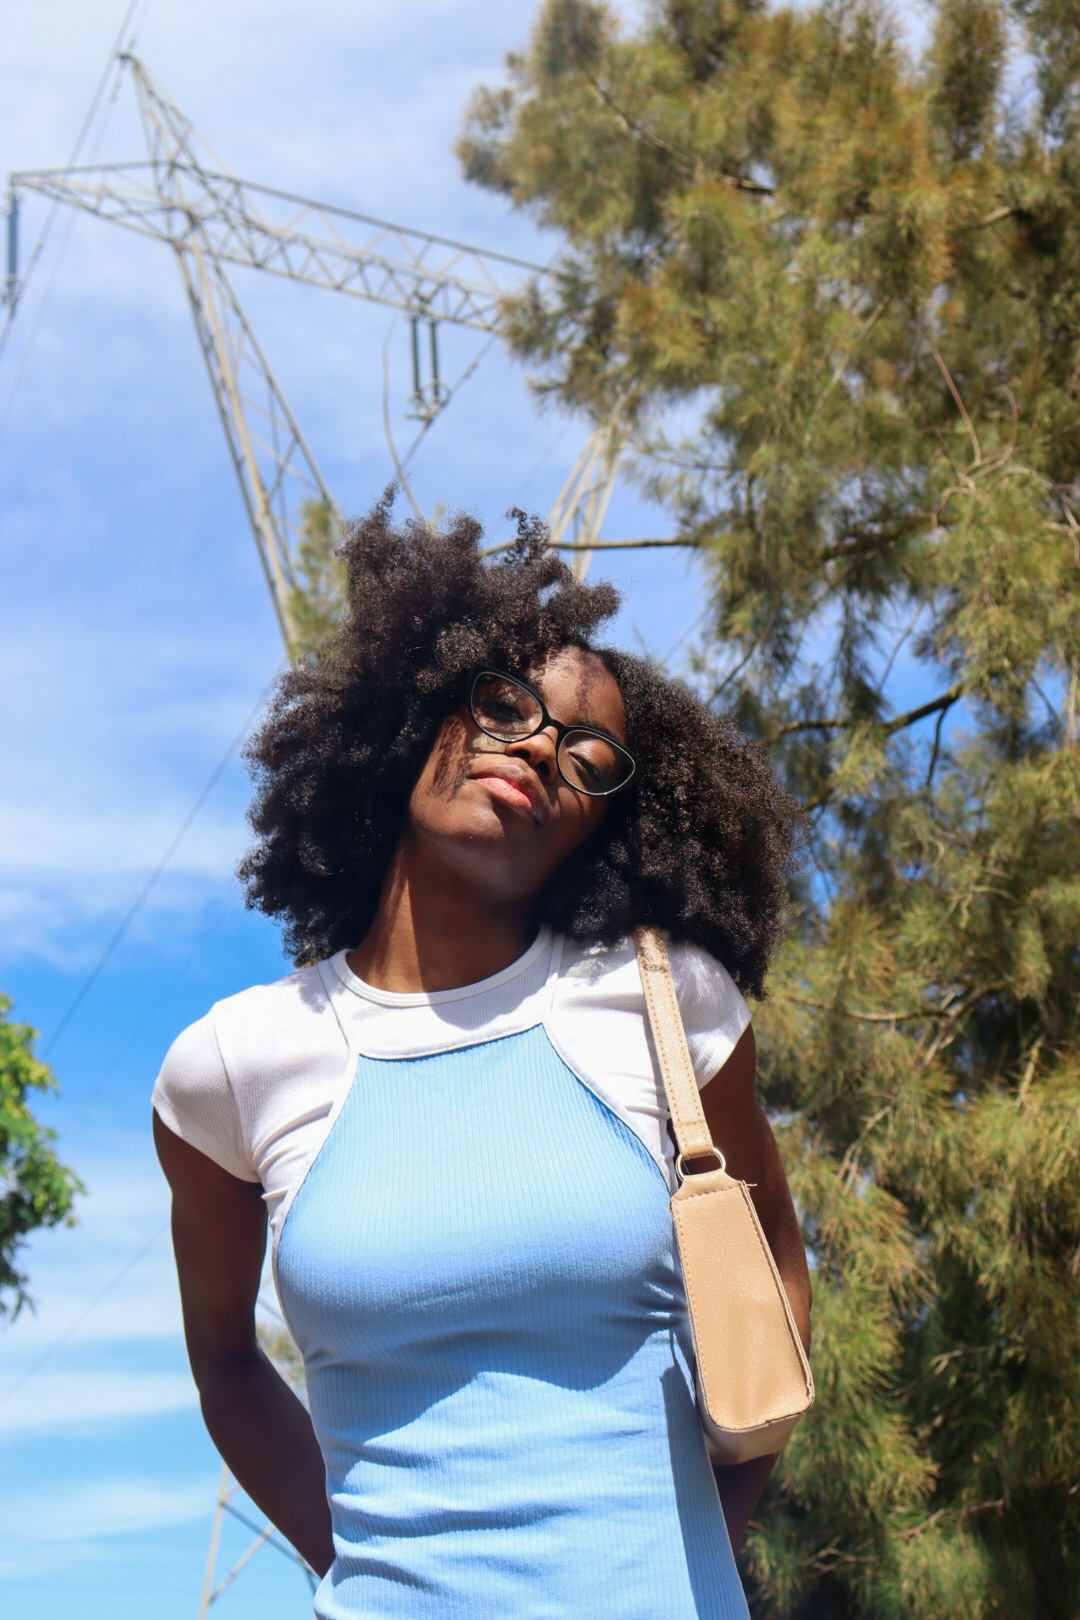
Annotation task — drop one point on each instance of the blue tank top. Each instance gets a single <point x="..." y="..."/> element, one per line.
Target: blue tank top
<point x="498" y="1353"/>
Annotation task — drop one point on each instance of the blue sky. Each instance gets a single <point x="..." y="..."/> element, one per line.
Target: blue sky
<point x="135" y="637"/>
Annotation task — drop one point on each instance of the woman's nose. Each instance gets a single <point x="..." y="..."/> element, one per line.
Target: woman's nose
<point x="539" y="750"/>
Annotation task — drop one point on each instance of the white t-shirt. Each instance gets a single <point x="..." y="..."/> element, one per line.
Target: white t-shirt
<point x="258" y="1082"/>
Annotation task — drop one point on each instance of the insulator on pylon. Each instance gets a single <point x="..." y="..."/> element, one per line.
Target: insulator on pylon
<point x="417" y="385"/>
<point x="432" y="327"/>
<point x="11" y="284"/>
<point x="428" y="398"/>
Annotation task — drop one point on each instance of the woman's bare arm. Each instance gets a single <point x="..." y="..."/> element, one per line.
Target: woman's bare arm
<point x="741" y="1130"/>
<point x="258" y="1425"/>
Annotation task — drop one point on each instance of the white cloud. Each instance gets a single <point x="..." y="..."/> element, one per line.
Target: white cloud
<point x="118" y="841"/>
<point x="82" y="1298"/>
<point x="109" y="768"/>
<point x="57" y="1523"/>
<point x="104" y="1345"/>
<point x="61" y="1400"/>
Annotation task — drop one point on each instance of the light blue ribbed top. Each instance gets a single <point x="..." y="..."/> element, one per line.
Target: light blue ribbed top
<point x="498" y="1354"/>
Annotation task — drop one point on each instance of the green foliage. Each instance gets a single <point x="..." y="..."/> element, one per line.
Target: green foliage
<point x="35" y="1189"/>
<point x="317" y="602"/>
<point x="835" y="292"/>
<point x="965" y="71"/>
<point x="281" y="1348"/>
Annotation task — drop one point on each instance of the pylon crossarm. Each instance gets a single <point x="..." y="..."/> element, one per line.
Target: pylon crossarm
<point x="177" y="193"/>
<point x="388" y="264"/>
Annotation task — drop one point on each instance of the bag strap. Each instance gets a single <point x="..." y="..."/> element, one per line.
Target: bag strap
<point x="684" y="1099"/>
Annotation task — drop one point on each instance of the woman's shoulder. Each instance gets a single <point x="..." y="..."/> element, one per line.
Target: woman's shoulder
<point x="252" y="1019"/>
<point x="248" y="1048"/>
<point x="280" y="1013"/>
<point x="597" y="1023"/>
<point x="600" y="989"/>
<point x="610" y="972"/>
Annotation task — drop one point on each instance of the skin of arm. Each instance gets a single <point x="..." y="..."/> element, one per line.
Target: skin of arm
<point x="259" y="1426"/>
<point x="742" y="1131"/>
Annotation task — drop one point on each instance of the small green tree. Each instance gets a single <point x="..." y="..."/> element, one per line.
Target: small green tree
<point x="835" y="292"/>
<point x="35" y="1188"/>
<point x="318" y="600"/>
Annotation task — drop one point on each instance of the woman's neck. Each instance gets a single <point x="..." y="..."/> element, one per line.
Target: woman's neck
<point x="434" y="932"/>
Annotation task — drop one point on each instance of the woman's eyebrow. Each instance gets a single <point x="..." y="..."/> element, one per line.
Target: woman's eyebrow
<point x="590" y="725"/>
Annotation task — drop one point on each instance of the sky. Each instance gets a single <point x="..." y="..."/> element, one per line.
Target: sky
<point x="136" y="641"/>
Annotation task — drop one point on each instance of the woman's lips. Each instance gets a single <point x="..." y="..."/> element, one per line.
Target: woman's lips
<point x="506" y="792"/>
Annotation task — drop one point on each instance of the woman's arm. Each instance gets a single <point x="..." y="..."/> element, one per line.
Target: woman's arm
<point x="743" y="1133"/>
<point x="258" y="1425"/>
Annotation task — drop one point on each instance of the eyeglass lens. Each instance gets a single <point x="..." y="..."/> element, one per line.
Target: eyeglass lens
<point x="510" y="712"/>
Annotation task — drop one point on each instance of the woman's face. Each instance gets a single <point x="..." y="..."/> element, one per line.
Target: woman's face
<point x="500" y="811"/>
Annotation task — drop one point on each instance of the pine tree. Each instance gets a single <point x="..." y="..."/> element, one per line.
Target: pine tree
<point x="834" y="285"/>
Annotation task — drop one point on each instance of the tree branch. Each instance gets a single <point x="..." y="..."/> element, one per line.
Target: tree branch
<point x="632" y="127"/>
<point x="600" y="545"/>
<point x="1006" y="211"/>
<point x="811" y="725"/>
<point x="888" y="727"/>
<point x="928" y="785"/>
<point x="955" y="392"/>
<point x="975" y="1507"/>
<point x="843" y="363"/>
<point x="862" y="1017"/>
<point x="945" y="701"/>
<point x="858" y="543"/>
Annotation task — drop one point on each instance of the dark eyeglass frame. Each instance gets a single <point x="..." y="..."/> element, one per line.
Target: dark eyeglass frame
<point x="561" y="731"/>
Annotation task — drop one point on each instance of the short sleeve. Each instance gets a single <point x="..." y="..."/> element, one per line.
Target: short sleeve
<point x="713" y="1010"/>
<point x="194" y="1098"/>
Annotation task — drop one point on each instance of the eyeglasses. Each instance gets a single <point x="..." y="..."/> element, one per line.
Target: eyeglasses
<point x="589" y="760"/>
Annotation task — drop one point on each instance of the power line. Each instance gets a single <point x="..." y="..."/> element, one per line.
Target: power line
<point x="78" y="1321"/>
<point x="552" y="447"/>
<point x="450" y="393"/>
<point x="140" y="899"/>
<point x="147" y="1020"/>
<point x="76" y="149"/>
<point x="695" y="624"/>
<point x="134" y="1259"/>
<point x="35" y="324"/>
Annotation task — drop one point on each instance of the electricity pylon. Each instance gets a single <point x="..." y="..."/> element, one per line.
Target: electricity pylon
<point x="183" y="195"/>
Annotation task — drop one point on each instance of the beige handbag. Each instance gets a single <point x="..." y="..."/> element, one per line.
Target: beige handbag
<point x="752" y="1376"/>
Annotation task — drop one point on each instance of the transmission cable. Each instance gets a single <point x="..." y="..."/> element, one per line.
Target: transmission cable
<point x="78" y="1321"/>
<point x="216" y="919"/>
<point x="134" y="1259"/>
<point x="72" y="160"/>
<point x="140" y="899"/>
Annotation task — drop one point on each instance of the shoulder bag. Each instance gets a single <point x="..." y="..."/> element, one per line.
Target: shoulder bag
<point x="752" y="1377"/>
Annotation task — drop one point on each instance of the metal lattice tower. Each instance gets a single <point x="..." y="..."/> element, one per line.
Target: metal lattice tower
<point x="184" y="196"/>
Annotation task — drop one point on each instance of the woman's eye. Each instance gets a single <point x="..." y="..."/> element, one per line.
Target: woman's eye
<point x="589" y="773"/>
<point x="503" y="711"/>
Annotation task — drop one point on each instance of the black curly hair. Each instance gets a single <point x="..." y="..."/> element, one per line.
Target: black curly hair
<point x="701" y="841"/>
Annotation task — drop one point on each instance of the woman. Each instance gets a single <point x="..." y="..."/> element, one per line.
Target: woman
<point x="452" y="1116"/>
